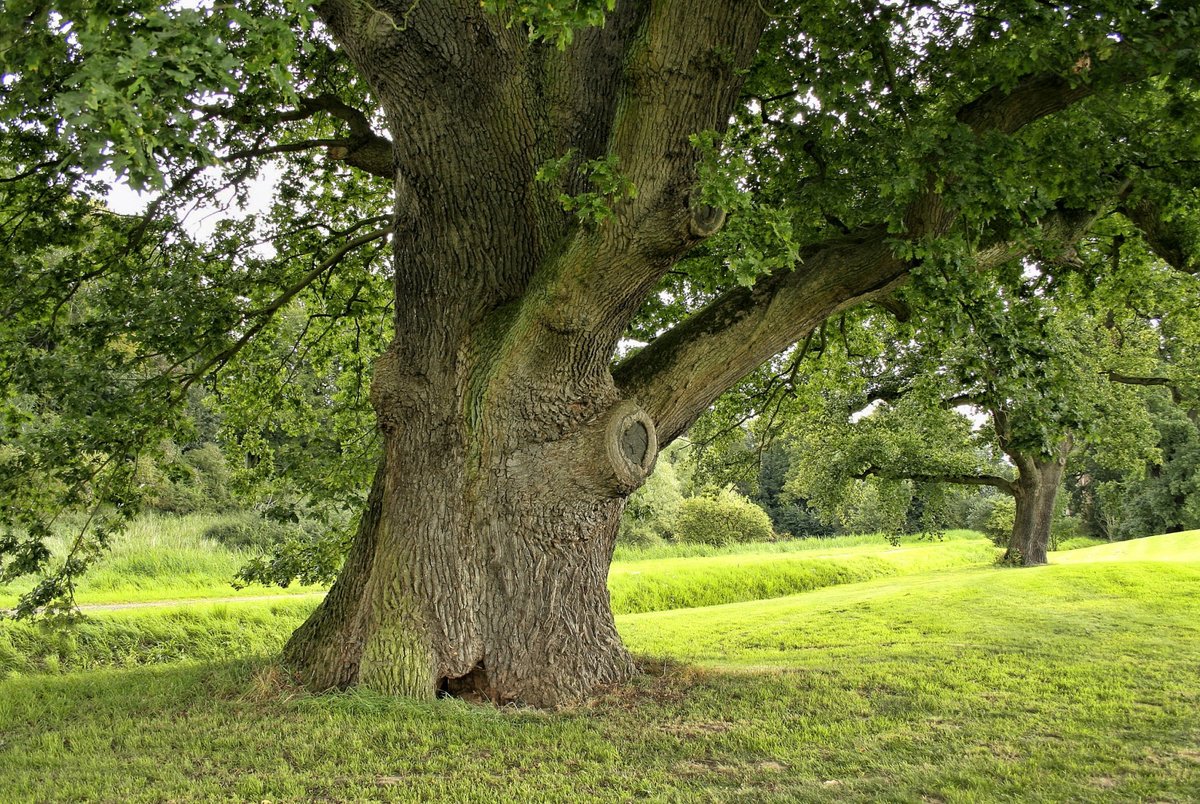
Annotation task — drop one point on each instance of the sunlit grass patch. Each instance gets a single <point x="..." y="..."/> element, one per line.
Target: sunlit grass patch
<point x="1183" y="546"/>
<point x="674" y="583"/>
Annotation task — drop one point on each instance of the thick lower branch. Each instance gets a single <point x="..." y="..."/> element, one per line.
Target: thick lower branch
<point x="995" y="481"/>
<point x="1166" y="238"/>
<point x="678" y="375"/>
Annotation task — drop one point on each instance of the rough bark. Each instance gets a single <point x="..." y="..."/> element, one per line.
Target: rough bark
<point x="480" y="565"/>
<point x="1035" y="491"/>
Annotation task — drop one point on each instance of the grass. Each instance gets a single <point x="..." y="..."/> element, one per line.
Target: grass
<point x="1076" y="681"/>
<point x="674" y="583"/>
<point x="161" y="558"/>
<point x="1169" y="547"/>
<point x="168" y="558"/>
<point x="823" y="544"/>
<point x="133" y="637"/>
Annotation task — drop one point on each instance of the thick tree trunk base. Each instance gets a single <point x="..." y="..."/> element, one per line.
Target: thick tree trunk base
<point x="490" y="588"/>
<point x="1036" y="491"/>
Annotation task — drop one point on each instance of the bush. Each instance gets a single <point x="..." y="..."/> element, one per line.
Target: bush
<point x="725" y="518"/>
<point x="180" y="482"/>
<point x="999" y="523"/>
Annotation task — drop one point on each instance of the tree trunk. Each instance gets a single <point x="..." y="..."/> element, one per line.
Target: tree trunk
<point x="491" y="585"/>
<point x="1035" y="491"/>
<point x="480" y="565"/>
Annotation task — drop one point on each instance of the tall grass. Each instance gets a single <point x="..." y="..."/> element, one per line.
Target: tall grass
<point x="158" y="558"/>
<point x="682" y="550"/>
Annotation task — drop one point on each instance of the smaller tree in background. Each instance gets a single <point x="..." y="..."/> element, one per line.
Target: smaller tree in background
<point x="1036" y="370"/>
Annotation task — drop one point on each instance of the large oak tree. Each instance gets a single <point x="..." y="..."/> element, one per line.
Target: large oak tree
<point x="543" y="171"/>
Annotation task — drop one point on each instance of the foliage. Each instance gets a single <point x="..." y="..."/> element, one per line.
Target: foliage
<point x="722" y="518"/>
<point x="610" y="187"/>
<point x="650" y="514"/>
<point x="853" y="114"/>
<point x="554" y="22"/>
<point x="186" y="482"/>
<point x="999" y="523"/>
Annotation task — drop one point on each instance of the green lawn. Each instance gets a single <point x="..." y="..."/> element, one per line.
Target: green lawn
<point x="1078" y="681"/>
<point x="757" y="574"/>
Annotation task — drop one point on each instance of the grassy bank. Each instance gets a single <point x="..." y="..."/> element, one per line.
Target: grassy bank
<point x="207" y="631"/>
<point x="169" y="558"/>
<point x="160" y="558"/>
<point x="674" y="583"/>
<point x="1068" y="682"/>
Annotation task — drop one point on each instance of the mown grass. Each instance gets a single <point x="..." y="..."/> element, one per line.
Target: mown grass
<point x="1183" y="546"/>
<point x="1069" y="682"/>
<point x="138" y="636"/>
<point x="675" y="583"/>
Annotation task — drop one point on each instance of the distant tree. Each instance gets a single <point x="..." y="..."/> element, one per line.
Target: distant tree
<point x="1160" y="497"/>
<point x="1038" y="357"/>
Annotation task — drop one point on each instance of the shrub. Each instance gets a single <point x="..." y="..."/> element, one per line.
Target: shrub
<point x="999" y="523"/>
<point x="180" y="482"/>
<point x="725" y="518"/>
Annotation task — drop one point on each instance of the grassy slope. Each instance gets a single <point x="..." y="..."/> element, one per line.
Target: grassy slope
<point x="167" y="558"/>
<point x="675" y="583"/>
<point x="1068" y="682"/>
<point x="1169" y="547"/>
<point x="160" y="558"/>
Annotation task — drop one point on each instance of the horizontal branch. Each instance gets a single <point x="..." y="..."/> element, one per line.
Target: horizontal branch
<point x="1009" y="110"/>
<point x="364" y="149"/>
<point x="679" y="374"/>
<point x="1149" y="382"/>
<point x="995" y="481"/>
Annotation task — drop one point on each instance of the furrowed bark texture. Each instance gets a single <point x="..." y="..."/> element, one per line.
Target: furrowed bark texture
<point x="1035" y="490"/>
<point x="480" y="566"/>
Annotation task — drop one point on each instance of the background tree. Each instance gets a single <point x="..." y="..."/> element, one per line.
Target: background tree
<point x="544" y="176"/>
<point x="1050" y="361"/>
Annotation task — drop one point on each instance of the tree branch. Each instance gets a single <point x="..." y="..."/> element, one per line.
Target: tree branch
<point x="678" y="375"/>
<point x="1149" y="382"/>
<point x="1166" y="238"/>
<point x="995" y="481"/>
<point x="363" y="149"/>
<point x="265" y="314"/>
